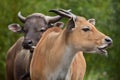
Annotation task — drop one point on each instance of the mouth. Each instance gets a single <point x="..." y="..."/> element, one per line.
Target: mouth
<point x="102" y="49"/>
<point x="28" y="47"/>
<point x="33" y="47"/>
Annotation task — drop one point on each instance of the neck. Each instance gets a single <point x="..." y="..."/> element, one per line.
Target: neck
<point x="62" y="58"/>
<point x="63" y="64"/>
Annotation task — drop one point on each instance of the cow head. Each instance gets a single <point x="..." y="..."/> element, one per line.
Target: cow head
<point x="84" y="34"/>
<point x="33" y="27"/>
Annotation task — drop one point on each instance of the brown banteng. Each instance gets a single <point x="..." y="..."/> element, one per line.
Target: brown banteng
<point x="18" y="56"/>
<point x="55" y="51"/>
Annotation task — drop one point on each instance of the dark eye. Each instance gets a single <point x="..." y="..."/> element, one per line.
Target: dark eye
<point x="25" y="31"/>
<point x="42" y="30"/>
<point x="86" y="29"/>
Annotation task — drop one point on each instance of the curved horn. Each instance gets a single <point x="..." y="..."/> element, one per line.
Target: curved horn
<point x="21" y="17"/>
<point x="64" y="13"/>
<point x="53" y="19"/>
<point x="59" y="12"/>
<point x="68" y="12"/>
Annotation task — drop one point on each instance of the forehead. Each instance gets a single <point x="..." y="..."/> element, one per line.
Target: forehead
<point x="35" y="19"/>
<point x="81" y="21"/>
<point x="35" y="22"/>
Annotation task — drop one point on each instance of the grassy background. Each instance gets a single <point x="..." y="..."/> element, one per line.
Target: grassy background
<point x="106" y="13"/>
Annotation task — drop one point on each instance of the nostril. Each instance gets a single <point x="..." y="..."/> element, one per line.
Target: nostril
<point x="108" y="40"/>
<point x="30" y="42"/>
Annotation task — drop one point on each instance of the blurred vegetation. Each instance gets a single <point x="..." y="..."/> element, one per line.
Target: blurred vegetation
<point x="106" y="13"/>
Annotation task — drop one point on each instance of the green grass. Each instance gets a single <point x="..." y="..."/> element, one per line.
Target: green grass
<point x="93" y="75"/>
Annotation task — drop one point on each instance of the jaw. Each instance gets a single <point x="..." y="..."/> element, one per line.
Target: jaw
<point x="99" y="49"/>
<point x="102" y="49"/>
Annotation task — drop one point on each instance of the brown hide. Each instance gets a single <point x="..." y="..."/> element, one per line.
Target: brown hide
<point x="18" y="60"/>
<point x="11" y="54"/>
<point x="21" y="64"/>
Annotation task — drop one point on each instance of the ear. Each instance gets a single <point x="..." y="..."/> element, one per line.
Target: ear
<point x="92" y="21"/>
<point x="59" y="24"/>
<point x="15" y="27"/>
<point x="71" y="24"/>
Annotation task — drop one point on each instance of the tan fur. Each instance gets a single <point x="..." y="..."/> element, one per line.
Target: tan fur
<point x="50" y="54"/>
<point x="78" y="67"/>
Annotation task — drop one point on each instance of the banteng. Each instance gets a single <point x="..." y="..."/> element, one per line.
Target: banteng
<point x="56" y="49"/>
<point x="19" y="55"/>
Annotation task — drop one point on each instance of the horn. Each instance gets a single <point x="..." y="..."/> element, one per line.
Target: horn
<point x="59" y="12"/>
<point x="64" y="13"/>
<point x="69" y="12"/>
<point x="21" y="17"/>
<point x="53" y="19"/>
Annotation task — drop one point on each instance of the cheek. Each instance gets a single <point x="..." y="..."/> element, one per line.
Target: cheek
<point x="88" y="43"/>
<point x="85" y="35"/>
<point x="85" y="43"/>
<point x="39" y="37"/>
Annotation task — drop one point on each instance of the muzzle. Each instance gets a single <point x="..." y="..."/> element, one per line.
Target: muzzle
<point x="27" y="44"/>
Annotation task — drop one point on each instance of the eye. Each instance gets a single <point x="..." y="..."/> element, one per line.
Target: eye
<point x="86" y="29"/>
<point x="42" y="30"/>
<point x="25" y="31"/>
